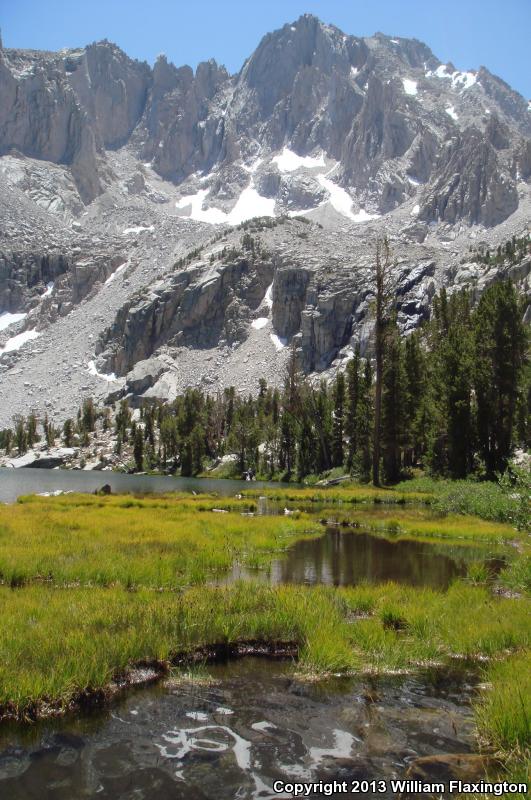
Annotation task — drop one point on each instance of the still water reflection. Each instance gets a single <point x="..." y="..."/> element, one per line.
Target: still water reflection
<point x="347" y="558"/>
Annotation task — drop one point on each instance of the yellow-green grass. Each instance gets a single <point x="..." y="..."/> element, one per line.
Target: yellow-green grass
<point x="352" y="493"/>
<point x="504" y="713"/>
<point x="175" y="541"/>
<point x="421" y="625"/>
<point x="424" y="524"/>
<point x="503" y="716"/>
<point x="54" y="642"/>
<point x="161" y="543"/>
<point x="486" y="499"/>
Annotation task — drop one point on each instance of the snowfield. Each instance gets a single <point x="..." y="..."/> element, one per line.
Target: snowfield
<point x="279" y="342"/>
<point x="92" y="370"/>
<point x="288" y="161"/>
<point x="18" y="341"/>
<point x="410" y="87"/>
<point x="452" y="113"/>
<point x="117" y="271"/>
<point x="342" y="202"/>
<point x="137" y="229"/>
<point x="7" y="319"/>
<point x="249" y="204"/>
<point x="460" y="80"/>
<point x="259" y="323"/>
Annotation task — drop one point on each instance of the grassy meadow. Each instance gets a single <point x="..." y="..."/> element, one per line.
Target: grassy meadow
<point x="56" y="641"/>
<point x="152" y="542"/>
<point x="93" y="585"/>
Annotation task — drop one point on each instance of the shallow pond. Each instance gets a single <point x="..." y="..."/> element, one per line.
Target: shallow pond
<point x="255" y="723"/>
<point x="349" y="557"/>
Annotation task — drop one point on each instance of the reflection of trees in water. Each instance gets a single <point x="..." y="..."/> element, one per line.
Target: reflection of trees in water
<point x="343" y="559"/>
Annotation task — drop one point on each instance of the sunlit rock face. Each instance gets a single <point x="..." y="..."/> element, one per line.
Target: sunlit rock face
<point x="125" y="189"/>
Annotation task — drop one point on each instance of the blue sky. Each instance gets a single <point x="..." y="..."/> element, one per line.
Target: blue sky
<point x="468" y="32"/>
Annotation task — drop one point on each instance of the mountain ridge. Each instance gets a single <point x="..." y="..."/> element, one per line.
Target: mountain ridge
<point x="123" y="183"/>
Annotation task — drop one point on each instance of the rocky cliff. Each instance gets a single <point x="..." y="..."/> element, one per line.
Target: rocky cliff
<point x="128" y="261"/>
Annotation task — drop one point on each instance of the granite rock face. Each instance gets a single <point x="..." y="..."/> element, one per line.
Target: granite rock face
<point x="473" y="185"/>
<point x="196" y="307"/>
<point x="385" y="113"/>
<point x="162" y="227"/>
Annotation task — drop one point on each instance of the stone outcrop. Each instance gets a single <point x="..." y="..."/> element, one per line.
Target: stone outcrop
<point x="289" y="299"/>
<point x="112" y="89"/>
<point x="197" y="307"/>
<point x="144" y="375"/>
<point x="470" y="184"/>
<point x="325" y="328"/>
<point x="182" y="135"/>
<point x="24" y="277"/>
<point x="40" y="116"/>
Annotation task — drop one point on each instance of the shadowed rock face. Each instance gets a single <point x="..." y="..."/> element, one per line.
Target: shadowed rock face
<point x="197" y="307"/>
<point x="112" y="88"/>
<point x="24" y="276"/>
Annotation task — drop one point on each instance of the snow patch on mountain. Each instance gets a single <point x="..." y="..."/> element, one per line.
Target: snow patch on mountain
<point x="268" y="299"/>
<point x="452" y="113"/>
<point x="7" y="319"/>
<point x="253" y="167"/>
<point x="259" y="323"/>
<point x="460" y="80"/>
<point x="137" y="229"/>
<point x="18" y="341"/>
<point x="249" y="204"/>
<point x="341" y="201"/>
<point x="279" y="342"/>
<point x="117" y="272"/>
<point x="92" y="370"/>
<point x="410" y="87"/>
<point x="288" y="161"/>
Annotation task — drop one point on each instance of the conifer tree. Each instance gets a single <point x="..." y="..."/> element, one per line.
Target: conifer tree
<point x="393" y="399"/>
<point x="319" y="407"/>
<point x="450" y="364"/>
<point x="365" y="424"/>
<point x="384" y="294"/>
<point x="21" y="439"/>
<point x="138" y="449"/>
<point x="68" y="432"/>
<point x="88" y="414"/>
<point x="338" y="422"/>
<point x="353" y="396"/>
<point x="31" y="429"/>
<point x="305" y="446"/>
<point x="500" y="354"/>
<point x="415" y="416"/>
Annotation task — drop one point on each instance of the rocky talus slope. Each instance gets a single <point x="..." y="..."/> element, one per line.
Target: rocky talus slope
<point x="127" y="265"/>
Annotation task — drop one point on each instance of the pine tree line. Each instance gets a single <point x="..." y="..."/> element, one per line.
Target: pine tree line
<point x="455" y="399"/>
